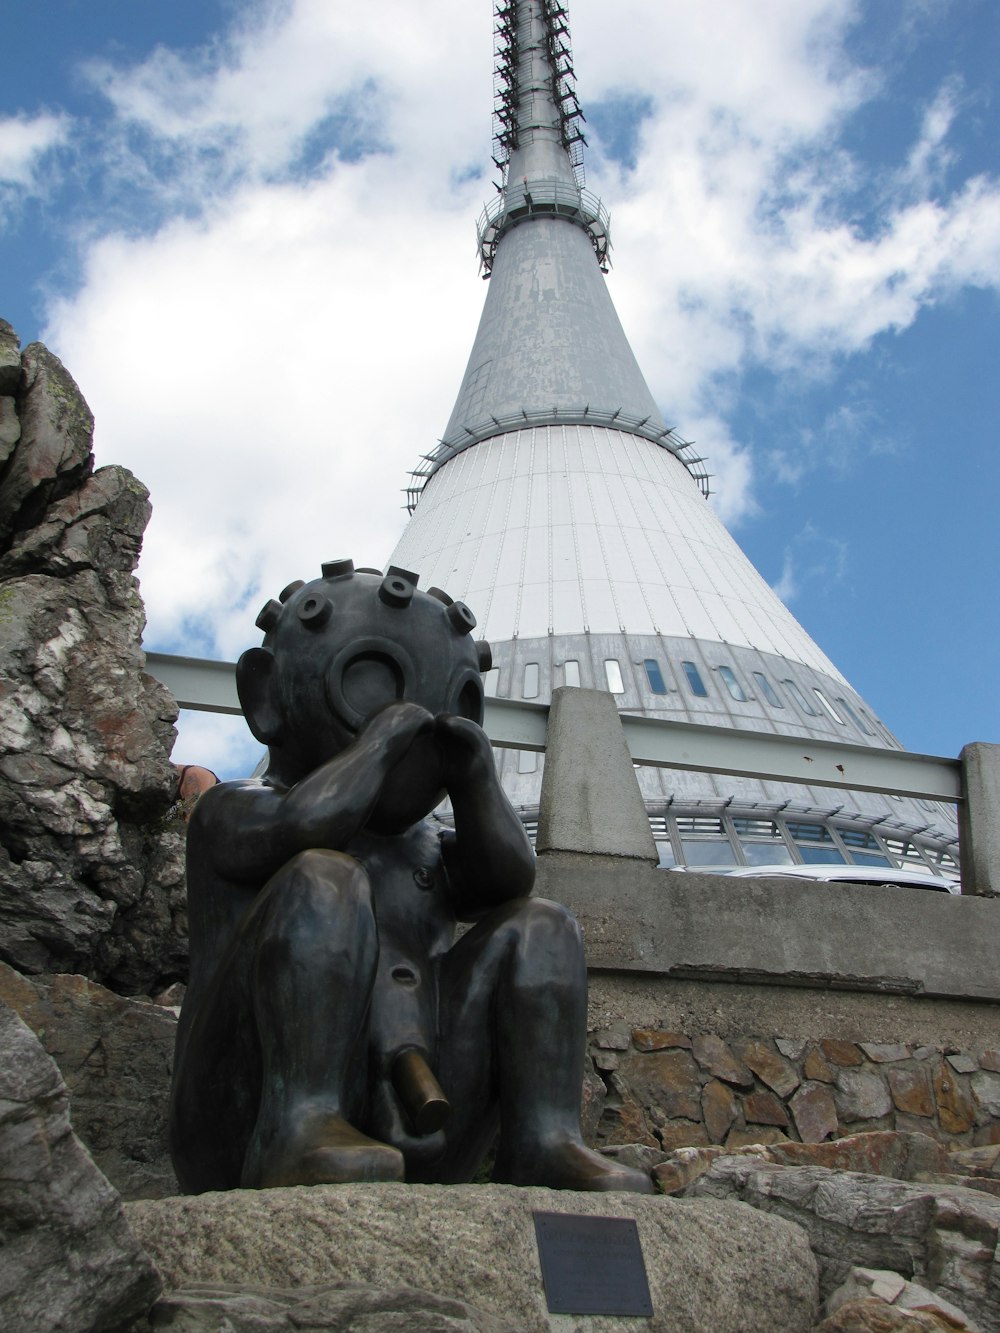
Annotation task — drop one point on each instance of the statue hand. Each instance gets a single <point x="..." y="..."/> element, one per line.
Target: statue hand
<point x="466" y="753"/>
<point x="397" y="725"/>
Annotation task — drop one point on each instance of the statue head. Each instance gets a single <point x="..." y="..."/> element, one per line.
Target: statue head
<point x="341" y="647"/>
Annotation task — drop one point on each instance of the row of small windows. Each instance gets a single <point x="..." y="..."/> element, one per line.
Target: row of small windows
<point x="718" y="841"/>
<point x="658" y="685"/>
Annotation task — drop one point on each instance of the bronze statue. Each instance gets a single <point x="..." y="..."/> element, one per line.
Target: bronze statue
<point x="333" y="1029"/>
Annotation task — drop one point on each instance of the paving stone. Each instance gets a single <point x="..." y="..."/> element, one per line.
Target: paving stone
<point x="861" y="1096"/>
<point x="814" y="1112"/>
<point x="682" y="1134"/>
<point x="715" y="1056"/>
<point x="990" y="1060"/>
<point x="955" y="1110"/>
<point x="987" y="1134"/>
<point x="667" y="1080"/>
<point x="606" y="1060"/>
<point x="817" y="1068"/>
<point x="881" y="1053"/>
<point x="653" y="1039"/>
<point x="911" y="1091"/>
<point x="843" y="1053"/>
<point x="624" y="1124"/>
<point x="925" y="1052"/>
<point x="792" y="1047"/>
<point x="763" y="1108"/>
<point x="611" y="1041"/>
<point x="718" y="1108"/>
<point x="986" y="1091"/>
<point x="962" y="1063"/>
<point x="778" y="1073"/>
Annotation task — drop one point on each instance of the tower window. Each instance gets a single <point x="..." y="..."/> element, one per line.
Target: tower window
<point x="732" y="684"/>
<point x="854" y="717"/>
<point x="527" y="761"/>
<point x="767" y="689"/>
<point x="529" y="687"/>
<point x="694" y="680"/>
<point x="491" y="682"/>
<point x="828" y="706"/>
<point x="571" y="673"/>
<point x="613" y="674"/>
<point x="655" y="676"/>
<point x="799" y="698"/>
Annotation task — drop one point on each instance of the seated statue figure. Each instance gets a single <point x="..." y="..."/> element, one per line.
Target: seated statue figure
<point x="334" y="1028"/>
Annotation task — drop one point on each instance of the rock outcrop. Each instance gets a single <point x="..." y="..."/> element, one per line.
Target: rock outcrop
<point x="68" y="1260"/>
<point x="115" y="1056"/>
<point x="944" y="1237"/>
<point x="91" y="876"/>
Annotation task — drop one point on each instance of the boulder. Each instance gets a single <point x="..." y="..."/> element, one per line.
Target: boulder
<point x="68" y="1260"/>
<point x="91" y="861"/>
<point x="710" y="1265"/>
<point x="944" y="1237"/>
<point x="339" y="1306"/>
<point x="116" y="1056"/>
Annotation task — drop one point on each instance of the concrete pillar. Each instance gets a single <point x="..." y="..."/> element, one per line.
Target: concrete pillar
<point x="590" y="800"/>
<point x="979" y="819"/>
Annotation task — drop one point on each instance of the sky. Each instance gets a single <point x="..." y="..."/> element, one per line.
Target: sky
<point x="248" y="231"/>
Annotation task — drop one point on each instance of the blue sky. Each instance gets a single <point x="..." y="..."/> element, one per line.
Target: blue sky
<point x="248" y="231"/>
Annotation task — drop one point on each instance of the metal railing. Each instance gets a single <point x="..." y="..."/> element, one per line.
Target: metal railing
<point x="972" y="782"/>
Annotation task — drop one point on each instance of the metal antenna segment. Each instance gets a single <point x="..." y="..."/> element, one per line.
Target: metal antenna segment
<point x="538" y="140"/>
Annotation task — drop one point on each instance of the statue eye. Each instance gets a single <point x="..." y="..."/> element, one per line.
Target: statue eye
<point x="470" y="701"/>
<point x="371" y="680"/>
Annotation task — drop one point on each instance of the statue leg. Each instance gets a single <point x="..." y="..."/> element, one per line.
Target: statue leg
<point x="314" y="967"/>
<point x="513" y="1032"/>
<point x="271" y="1067"/>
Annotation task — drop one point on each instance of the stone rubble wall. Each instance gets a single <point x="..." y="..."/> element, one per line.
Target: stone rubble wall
<point x="668" y="1090"/>
<point x="91" y="864"/>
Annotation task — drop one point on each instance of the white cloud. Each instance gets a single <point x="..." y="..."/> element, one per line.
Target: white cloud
<point x="25" y="144"/>
<point x="273" y="360"/>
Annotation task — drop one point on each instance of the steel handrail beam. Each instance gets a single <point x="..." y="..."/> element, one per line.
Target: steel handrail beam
<point x="210" y="686"/>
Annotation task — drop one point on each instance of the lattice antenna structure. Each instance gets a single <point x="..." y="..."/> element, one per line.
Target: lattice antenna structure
<point x="509" y="128"/>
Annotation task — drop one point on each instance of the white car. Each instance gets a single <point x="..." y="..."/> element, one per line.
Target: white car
<point x="841" y="874"/>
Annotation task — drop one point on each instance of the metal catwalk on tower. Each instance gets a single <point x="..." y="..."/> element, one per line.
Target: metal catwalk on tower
<point x="574" y="521"/>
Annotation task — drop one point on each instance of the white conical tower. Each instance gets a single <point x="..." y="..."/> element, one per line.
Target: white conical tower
<point x="574" y="522"/>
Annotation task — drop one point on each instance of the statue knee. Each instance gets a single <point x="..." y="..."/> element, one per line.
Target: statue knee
<point x="542" y="923"/>
<point x="322" y="886"/>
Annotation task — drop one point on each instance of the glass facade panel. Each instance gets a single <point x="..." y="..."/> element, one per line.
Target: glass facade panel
<point x="571" y="673"/>
<point x="613" y="675"/>
<point x="529" y="688"/>
<point x="820" y="856"/>
<point x="694" y="680"/>
<point x="655" y="676"/>
<point x="828" y="706"/>
<point x="766" y="853"/>
<point x="708" y="852"/>
<point x="869" y="859"/>
<point x="767" y="689"/>
<point x="799" y="698"/>
<point x="732" y="684"/>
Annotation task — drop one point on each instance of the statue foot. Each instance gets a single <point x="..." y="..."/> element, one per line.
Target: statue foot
<point x="568" y="1164"/>
<point x="323" y="1150"/>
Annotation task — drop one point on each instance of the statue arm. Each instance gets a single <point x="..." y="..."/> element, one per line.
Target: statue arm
<point x="489" y="859"/>
<point x="252" y="829"/>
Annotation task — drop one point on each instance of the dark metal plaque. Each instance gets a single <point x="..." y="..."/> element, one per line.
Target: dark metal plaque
<point x="592" y="1265"/>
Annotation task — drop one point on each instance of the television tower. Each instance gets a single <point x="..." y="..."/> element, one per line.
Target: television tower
<point x="574" y="522"/>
